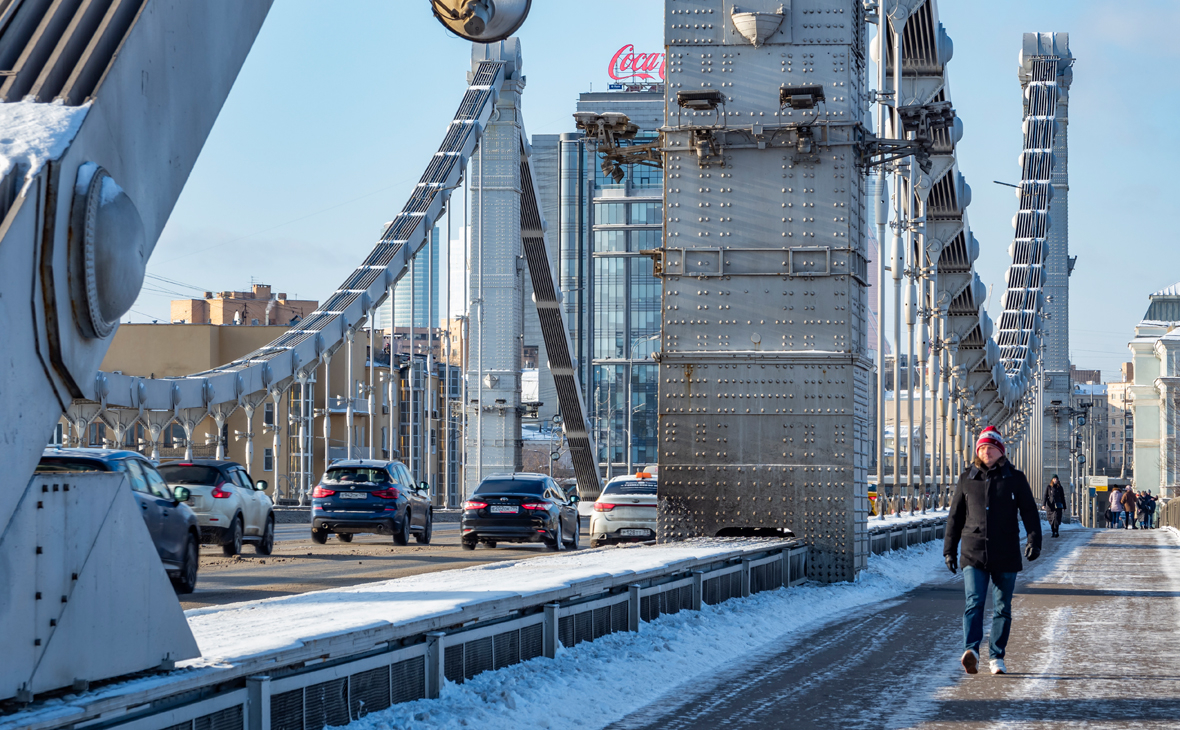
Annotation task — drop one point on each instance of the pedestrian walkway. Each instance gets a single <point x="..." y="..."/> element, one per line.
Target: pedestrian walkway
<point x="1094" y="644"/>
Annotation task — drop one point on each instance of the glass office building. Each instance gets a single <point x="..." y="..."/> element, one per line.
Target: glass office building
<point x="611" y="298"/>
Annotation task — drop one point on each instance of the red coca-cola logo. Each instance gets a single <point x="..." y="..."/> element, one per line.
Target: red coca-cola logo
<point x="627" y="64"/>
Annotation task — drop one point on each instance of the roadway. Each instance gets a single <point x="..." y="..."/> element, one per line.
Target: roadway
<point x="1093" y="644"/>
<point x="297" y="565"/>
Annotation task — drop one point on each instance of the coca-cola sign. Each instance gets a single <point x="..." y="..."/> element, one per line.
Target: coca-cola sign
<point x="629" y="65"/>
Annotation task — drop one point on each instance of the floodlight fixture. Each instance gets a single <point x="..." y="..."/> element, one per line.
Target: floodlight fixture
<point x="703" y="100"/>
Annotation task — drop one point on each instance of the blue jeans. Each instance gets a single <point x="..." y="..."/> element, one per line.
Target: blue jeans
<point x="975" y="582"/>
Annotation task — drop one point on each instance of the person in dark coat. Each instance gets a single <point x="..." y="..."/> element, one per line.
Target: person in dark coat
<point x="990" y="500"/>
<point x="1054" y="503"/>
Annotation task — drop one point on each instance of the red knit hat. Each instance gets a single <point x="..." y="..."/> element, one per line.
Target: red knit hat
<point x="991" y="436"/>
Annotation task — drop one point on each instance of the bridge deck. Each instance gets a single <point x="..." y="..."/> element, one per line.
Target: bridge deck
<point x="1094" y="643"/>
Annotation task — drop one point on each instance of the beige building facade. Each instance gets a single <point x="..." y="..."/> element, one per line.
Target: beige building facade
<point x="257" y="307"/>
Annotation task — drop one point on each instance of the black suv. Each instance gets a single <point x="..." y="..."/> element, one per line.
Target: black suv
<point x="364" y="495"/>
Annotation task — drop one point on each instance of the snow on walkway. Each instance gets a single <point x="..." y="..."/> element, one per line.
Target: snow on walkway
<point x="601" y="681"/>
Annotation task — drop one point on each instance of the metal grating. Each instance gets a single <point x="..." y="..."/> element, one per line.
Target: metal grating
<point x="583" y="627"/>
<point x="477" y="657"/>
<point x="186" y="725"/>
<point x="601" y="622"/>
<point x="326" y="704"/>
<point x="618" y="617"/>
<point x="408" y="680"/>
<point x="228" y="719"/>
<point x="565" y="630"/>
<point x="368" y="692"/>
<point x="286" y="710"/>
<point x="506" y="649"/>
<point x="532" y="642"/>
<point x="453" y="663"/>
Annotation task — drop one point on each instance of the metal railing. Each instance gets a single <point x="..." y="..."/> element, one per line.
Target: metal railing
<point x="334" y="680"/>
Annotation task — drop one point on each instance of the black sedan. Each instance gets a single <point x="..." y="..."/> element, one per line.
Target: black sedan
<point x="520" y="508"/>
<point x="370" y="496"/>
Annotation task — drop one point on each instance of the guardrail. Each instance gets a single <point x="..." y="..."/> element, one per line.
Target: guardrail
<point x="1168" y="513"/>
<point x="884" y="537"/>
<point x="336" y="679"/>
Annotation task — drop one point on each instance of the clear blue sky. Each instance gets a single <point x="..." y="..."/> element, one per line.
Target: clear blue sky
<point x="335" y="115"/>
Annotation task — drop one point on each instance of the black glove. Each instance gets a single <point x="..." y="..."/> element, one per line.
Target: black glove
<point x="952" y="563"/>
<point x="1032" y="552"/>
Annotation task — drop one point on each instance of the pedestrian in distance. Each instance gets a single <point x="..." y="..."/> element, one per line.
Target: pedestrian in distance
<point x="1054" y="503"/>
<point x="1146" y="508"/>
<point x="1115" y="503"/>
<point x="1129" y="502"/>
<point x="990" y="500"/>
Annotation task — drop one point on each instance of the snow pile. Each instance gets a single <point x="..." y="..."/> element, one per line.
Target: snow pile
<point x="230" y="633"/>
<point x="601" y="681"/>
<point x="31" y="134"/>
<point x="904" y="518"/>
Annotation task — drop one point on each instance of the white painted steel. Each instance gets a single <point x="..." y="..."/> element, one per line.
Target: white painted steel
<point x="75" y="550"/>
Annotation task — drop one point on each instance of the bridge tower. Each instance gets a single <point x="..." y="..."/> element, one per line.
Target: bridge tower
<point x="496" y="270"/>
<point x="1058" y="264"/>
<point x="764" y="365"/>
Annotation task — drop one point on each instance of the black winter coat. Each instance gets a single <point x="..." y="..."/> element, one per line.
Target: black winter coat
<point x="983" y="514"/>
<point x="1054" y="495"/>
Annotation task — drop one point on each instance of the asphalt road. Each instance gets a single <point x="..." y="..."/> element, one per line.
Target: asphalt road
<point x="298" y="565"/>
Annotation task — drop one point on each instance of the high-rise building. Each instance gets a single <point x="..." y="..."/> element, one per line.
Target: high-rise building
<point x="611" y="297"/>
<point x="422" y="285"/>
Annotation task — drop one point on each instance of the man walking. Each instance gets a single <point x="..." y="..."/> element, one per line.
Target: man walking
<point x="1129" y="500"/>
<point x="990" y="500"/>
<point x="1146" y="508"/>
<point x="1054" y="504"/>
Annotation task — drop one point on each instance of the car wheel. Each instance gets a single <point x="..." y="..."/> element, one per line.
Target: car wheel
<point x="186" y="580"/>
<point x="267" y="544"/>
<point x="577" y="529"/>
<point x="468" y="544"/>
<point x="557" y="538"/>
<point x="423" y="537"/>
<point x="596" y="543"/>
<point x="319" y="537"/>
<point x="344" y="536"/>
<point x="402" y="536"/>
<point x="234" y="545"/>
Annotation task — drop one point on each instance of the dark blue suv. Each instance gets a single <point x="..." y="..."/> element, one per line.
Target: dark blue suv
<point x="171" y="523"/>
<point x="363" y="495"/>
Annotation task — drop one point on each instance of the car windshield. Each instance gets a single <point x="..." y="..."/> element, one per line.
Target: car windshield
<point x="356" y="475"/>
<point x="636" y="487"/>
<point x="511" y="486"/>
<point x="51" y="465"/>
<point x="190" y="474"/>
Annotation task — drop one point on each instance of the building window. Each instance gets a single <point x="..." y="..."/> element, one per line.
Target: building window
<point x="646" y="239"/>
<point x="608" y="214"/>
<point x="610" y="240"/>
<point x="268" y="414"/>
<point x="268" y="459"/>
<point x="647" y="213"/>
<point x="57" y="434"/>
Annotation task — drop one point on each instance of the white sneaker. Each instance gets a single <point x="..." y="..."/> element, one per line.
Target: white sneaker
<point x="998" y="667"/>
<point x="971" y="661"/>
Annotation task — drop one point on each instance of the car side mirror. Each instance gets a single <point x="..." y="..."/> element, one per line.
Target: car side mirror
<point x="574" y="499"/>
<point x="181" y="494"/>
<point x="424" y="487"/>
<point x="261" y="485"/>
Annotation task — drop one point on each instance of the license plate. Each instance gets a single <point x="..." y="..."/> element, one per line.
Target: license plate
<point x="353" y="495"/>
<point x="634" y="533"/>
<point x="504" y="510"/>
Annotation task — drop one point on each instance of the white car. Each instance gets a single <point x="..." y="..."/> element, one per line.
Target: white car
<point x="625" y="511"/>
<point x="230" y="508"/>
